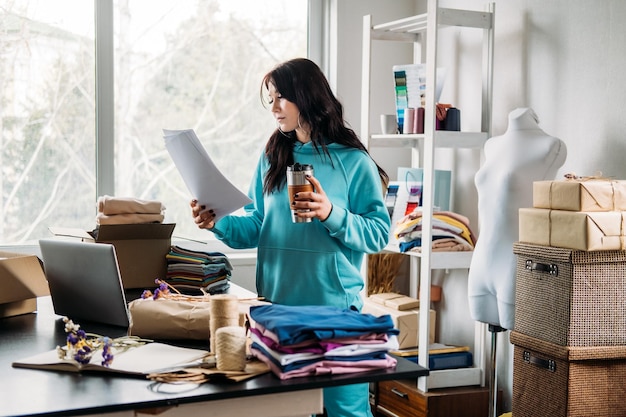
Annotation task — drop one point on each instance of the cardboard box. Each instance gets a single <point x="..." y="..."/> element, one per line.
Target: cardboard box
<point x="580" y="195"/>
<point x="406" y="321"/>
<point x="22" y="280"/>
<point x="395" y="301"/>
<point x="404" y="302"/>
<point x="140" y="249"/>
<point x="586" y="231"/>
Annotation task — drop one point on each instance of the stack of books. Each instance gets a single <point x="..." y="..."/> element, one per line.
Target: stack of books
<point x="441" y="356"/>
<point x="189" y="270"/>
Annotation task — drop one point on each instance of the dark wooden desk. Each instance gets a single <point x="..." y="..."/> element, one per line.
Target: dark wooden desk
<point x="33" y="392"/>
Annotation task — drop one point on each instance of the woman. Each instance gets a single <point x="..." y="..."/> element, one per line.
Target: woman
<point x="314" y="263"/>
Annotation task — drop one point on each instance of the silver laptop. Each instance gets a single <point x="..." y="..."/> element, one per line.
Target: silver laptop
<point x="85" y="281"/>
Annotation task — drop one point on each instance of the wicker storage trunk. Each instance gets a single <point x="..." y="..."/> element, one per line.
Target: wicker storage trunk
<point x="564" y="381"/>
<point x="570" y="297"/>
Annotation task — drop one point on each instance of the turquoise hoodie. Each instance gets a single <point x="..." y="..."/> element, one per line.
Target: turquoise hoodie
<point x="316" y="263"/>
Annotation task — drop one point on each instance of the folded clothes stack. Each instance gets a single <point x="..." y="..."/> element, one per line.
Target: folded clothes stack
<point x="297" y="341"/>
<point x="127" y="210"/>
<point x="451" y="232"/>
<point x="196" y="270"/>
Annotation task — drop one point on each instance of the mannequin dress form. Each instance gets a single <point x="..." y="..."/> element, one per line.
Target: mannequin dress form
<point x="513" y="161"/>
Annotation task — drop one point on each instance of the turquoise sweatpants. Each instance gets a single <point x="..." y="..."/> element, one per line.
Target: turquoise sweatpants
<point x="347" y="401"/>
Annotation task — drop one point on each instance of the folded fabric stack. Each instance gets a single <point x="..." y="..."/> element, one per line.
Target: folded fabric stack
<point x="196" y="270"/>
<point x="296" y="341"/>
<point x="127" y="210"/>
<point x="450" y="232"/>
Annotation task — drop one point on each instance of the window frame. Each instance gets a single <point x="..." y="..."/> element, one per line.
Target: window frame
<point x="318" y="51"/>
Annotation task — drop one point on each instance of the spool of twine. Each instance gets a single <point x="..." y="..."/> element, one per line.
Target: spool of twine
<point x="230" y="346"/>
<point x="224" y="310"/>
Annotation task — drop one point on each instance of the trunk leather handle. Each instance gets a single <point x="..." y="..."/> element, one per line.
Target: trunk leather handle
<point x="551" y="269"/>
<point x="548" y="364"/>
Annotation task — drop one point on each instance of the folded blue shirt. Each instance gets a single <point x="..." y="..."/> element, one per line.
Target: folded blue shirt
<point x="296" y="324"/>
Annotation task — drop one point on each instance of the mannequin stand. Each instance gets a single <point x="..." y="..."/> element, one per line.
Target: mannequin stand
<point x="493" y="377"/>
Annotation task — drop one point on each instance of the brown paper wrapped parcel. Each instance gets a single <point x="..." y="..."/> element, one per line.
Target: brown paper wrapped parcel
<point x="580" y="195"/>
<point x="176" y="319"/>
<point x="587" y="231"/>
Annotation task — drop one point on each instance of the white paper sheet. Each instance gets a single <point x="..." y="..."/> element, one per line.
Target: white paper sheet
<point x="205" y="182"/>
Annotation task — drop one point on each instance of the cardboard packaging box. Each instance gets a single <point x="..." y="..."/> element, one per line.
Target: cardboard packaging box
<point x="140" y="249"/>
<point x="22" y="280"/>
<point x="395" y="301"/>
<point x="406" y="321"/>
<point x="580" y="195"/>
<point x="587" y="231"/>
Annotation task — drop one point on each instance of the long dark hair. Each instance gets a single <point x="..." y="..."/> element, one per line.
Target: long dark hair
<point x="303" y="83"/>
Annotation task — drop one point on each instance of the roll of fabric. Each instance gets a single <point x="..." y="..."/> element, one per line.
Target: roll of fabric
<point x="409" y="121"/>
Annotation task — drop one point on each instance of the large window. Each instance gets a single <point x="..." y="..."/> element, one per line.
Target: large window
<point x="184" y="64"/>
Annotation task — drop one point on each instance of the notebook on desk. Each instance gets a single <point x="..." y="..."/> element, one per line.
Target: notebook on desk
<point x="85" y="281"/>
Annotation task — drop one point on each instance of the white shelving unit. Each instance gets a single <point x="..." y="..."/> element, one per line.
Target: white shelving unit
<point x="422" y="30"/>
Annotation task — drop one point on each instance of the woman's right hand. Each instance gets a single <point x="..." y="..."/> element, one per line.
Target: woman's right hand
<point x="204" y="219"/>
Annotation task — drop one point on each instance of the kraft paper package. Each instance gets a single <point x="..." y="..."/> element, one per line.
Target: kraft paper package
<point x="580" y="194"/>
<point x="586" y="231"/>
<point x="176" y="318"/>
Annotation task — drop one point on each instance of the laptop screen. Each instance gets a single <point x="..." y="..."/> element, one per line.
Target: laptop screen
<point x="85" y="281"/>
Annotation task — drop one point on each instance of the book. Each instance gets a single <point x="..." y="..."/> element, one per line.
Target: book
<point x="140" y="360"/>
<point x="433" y="349"/>
<point x="452" y="360"/>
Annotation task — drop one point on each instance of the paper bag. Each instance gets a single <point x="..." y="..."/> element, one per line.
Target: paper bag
<point x="175" y="319"/>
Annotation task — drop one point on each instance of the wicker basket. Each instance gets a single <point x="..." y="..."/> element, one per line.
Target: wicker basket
<point x="559" y="381"/>
<point x="571" y="297"/>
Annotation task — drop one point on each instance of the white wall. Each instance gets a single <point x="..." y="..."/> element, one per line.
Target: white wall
<point x="345" y="73"/>
<point x="563" y="58"/>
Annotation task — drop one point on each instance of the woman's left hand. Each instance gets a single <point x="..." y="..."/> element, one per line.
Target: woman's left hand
<point x="317" y="202"/>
